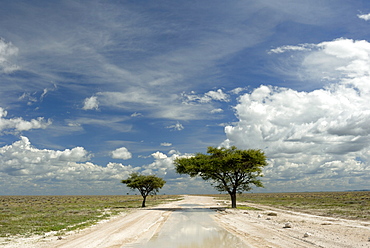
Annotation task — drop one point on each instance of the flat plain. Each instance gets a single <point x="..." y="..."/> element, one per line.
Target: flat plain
<point x="37" y="215"/>
<point x="348" y="205"/>
<point x="26" y="216"/>
<point x="324" y="219"/>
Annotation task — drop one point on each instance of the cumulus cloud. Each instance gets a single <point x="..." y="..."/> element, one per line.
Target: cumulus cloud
<point x="18" y="124"/>
<point x="25" y="168"/>
<point x="68" y="169"/>
<point x="163" y="166"/>
<point x="91" y="103"/>
<point x="121" y="153"/>
<point x="218" y="95"/>
<point x="7" y="52"/>
<point x="365" y="17"/>
<point x="21" y="158"/>
<point x="159" y="155"/>
<point x="317" y="136"/>
<point x="329" y="60"/>
<point x="218" y="110"/>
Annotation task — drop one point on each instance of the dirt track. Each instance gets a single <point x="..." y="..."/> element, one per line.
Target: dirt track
<point x="255" y="228"/>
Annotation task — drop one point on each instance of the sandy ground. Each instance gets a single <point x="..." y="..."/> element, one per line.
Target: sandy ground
<point x="292" y="229"/>
<point x="256" y="228"/>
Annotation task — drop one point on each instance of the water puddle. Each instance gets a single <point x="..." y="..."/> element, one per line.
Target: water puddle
<point x="192" y="227"/>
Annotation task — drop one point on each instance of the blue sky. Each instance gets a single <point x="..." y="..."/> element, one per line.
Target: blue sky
<point x="92" y="91"/>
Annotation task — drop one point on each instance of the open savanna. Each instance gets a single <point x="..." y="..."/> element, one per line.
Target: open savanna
<point x="349" y="205"/>
<point x="30" y="215"/>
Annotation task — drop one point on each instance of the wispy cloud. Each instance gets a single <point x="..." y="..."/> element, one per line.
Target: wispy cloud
<point x="116" y="123"/>
<point x="166" y="144"/>
<point x="209" y="96"/>
<point x="7" y="52"/>
<point x="176" y="127"/>
<point x="282" y="49"/>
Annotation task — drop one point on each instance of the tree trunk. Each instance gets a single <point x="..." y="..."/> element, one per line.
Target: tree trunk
<point x="143" y="204"/>
<point x="233" y="199"/>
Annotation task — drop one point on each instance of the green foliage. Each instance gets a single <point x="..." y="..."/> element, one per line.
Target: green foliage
<point x="145" y="184"/>
<point x="248" y="208"/>
<point x="229" y="169"/>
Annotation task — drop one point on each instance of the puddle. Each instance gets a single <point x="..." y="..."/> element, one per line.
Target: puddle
<point x="191" y="227"/>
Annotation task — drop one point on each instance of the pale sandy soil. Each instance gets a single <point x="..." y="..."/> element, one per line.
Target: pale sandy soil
<point x="256" y="228"/>
<point x="261" y="230"/>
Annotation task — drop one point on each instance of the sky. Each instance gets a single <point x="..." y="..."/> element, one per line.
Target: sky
<point x="94" y="90"/>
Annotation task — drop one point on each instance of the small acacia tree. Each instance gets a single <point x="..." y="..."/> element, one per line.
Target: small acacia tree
<point x="145" y="184"/>
<point x="230" y="170"/>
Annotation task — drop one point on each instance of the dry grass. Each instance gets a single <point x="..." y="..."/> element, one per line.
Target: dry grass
<point x="29" y="215"/>
<point x="350" y="205"/>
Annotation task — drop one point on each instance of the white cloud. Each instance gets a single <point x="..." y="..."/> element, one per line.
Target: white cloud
<point x="218" y="95"/>
<point x="166" y="144"/>
<point x="209" y="96"/>
<point x="34" y="97"/>
<point x="315" y="136"/>
<point x="30" y="98"/>
<point x="18" y="124"/>
<point x="68" y="169"/>
<point x="114" y="123"/>
<point x="283" y="49"/>
<point x="159" y="155"/>
<point x="218" y="110"/>
<point x="330" y="60"/>
<point x="25" y="168"/>
<point x="152" y="105"/>
<point x="163" y="166"/>
<point x="365" y="17"/>
<point x="21" y="158"/>
<point x="237" y="91"/>
<point x="91" y="103"/>
<point x="125" y="99"/>
<point x="136" y="114"/>
<point x="7" y="52"/>
<point x="177" y="127"/>
<point x="121" y="153"/>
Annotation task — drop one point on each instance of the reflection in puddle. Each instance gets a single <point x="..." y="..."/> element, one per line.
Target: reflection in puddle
<point x="192" y="228"/>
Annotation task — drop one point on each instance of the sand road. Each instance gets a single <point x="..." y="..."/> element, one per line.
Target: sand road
<point x="170" y="224"/>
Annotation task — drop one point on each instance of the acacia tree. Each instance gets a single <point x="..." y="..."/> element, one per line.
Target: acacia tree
<point x="229" y="170"/>
<point x="145" y="184"/>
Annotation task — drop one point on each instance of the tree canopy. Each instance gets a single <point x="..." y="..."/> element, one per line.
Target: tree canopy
<point x="145" y="184"/>
<point x="229" y="169"/>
